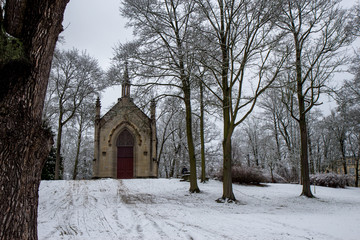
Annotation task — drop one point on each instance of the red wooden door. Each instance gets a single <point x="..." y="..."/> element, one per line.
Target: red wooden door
<point x="125" y="155"/>
<point x="125" y="161"/>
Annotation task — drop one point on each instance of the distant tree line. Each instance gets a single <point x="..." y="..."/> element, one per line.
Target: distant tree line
<point x="74" y="84"/>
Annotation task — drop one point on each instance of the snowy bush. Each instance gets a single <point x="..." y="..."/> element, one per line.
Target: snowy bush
<point x="329" y="180"/>
<point x="246" y="175"/>
<point x="277" y="178"/>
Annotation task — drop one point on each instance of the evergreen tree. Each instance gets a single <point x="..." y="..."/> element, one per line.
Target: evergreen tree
<point x="48" y="171"/>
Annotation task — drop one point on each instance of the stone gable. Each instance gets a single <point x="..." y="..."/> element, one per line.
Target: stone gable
<point x="111" y="160"/>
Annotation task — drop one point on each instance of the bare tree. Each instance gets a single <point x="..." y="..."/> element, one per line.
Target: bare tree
<point x="348" y="99"/>
<point x="272" y="105"/>
<point x="338" y="126"/>
<point x="171" y="142"/>
<point x="163" y="54"/>
<point x="239" y="45"/>
<point x="317" y="30"/>
<point x="24" y="142"/>
<point x="84" y="120"/>
<point x="252" y="132"/>
<point x="74" y="78"/>
<point x="281" y="124"/>
<point x="355" y="23"/>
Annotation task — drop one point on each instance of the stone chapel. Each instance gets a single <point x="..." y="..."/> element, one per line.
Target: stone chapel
<point x="125" y="139"/>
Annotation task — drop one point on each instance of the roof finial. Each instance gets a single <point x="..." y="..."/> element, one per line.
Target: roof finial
<point x="126" y="82"/>
<point x="126" y="73"/>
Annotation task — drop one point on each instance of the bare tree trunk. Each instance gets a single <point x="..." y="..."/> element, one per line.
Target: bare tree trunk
<point x="304" y="162"/>
<point x="202" y="134"/>
<point x="226" y="103"/>
<point x="271" y="166"/>
<point x="58" y="149"/>
<point x="24" y="142"/>
<point x="172" y="168"/>
<point x="78" y="147"/>
<point x="343" y="154"/>
<point x="163" y="141"/>
<point x="357" y="159"/>
<point x="227" y="160"/>
<point x="357" y="170"/>
<point x="166" y="171"/>
<point x="318" y="159"/>
<point x="227" y="165"/>
<point x="193" y="181"/>
<point x="311" y="155"/>
<point x="276" y="135"/>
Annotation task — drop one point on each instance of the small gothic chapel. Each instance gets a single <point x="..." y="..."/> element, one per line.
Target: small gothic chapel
<point x="125" y="139"/>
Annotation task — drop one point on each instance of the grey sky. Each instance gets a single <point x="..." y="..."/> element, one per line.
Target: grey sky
<point x="96" y="26"/>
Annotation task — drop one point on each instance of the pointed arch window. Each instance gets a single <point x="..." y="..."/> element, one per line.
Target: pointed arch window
<point x="125" y="139"/>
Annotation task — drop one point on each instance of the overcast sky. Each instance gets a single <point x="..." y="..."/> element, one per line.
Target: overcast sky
<point x="96" y="26"/>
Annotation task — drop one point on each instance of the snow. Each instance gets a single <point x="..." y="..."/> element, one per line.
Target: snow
<point x="164" y="209"/>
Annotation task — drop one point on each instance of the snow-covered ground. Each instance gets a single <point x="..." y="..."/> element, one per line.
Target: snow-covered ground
<point x="164" y="209"/>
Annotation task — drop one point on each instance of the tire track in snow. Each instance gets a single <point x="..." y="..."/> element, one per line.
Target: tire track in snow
<point x="77" y="213"/>
<point x="135" y="203"/>
<point x="164" y="224"/>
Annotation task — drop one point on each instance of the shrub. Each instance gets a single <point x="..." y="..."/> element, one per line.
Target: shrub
<point x="277" y="178"/>
<point x="245" y="175"/>
<point x="329" y="180"/>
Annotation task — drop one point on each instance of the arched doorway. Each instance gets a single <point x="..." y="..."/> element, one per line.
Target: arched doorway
<point x="125" y="155"/>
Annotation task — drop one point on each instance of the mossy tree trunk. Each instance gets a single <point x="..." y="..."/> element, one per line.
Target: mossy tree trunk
<point x="24" y="142"/>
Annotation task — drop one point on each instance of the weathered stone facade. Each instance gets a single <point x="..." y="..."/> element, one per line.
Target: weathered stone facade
<point x="125" y="141"/>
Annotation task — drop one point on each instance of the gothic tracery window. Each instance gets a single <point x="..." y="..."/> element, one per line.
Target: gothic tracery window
<point x="125" y="139"/>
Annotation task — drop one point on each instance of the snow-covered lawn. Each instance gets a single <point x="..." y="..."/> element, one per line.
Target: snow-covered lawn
<point x="164" y="209"/>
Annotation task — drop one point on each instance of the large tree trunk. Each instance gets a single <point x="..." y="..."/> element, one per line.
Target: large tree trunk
<point x="227" y="161"/>
<point x="78" y="147"/>
<point x="228" y="194"/>
<point x="58" y="148"/>
<point x="193" y="181"/>
<point x="226" y="103"/>
<point x="304" y="162"/>
<point x="357" y="171"/>
<point x="202" y="134"/>
<point x="227" y="154"/>
<point x="24" y="142"/>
